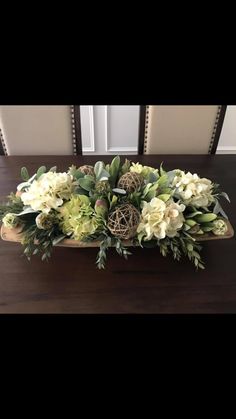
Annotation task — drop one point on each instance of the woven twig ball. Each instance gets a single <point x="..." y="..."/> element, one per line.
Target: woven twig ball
<point x="130" y="182"/>
<point x="87" y="170"/>
<point x="123" y="221"/>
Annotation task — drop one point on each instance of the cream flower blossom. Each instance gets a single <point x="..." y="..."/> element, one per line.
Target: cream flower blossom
<point x="143" y="170"/>
<point x="220" y="227"/>
<point x="10" y="220"/>
<point x="48" y="191"/>
<point x="160" y="219"/>
<point x="192" y="189"/>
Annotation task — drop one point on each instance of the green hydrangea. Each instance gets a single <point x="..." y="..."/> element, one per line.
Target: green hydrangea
<point x="78" y="218"/>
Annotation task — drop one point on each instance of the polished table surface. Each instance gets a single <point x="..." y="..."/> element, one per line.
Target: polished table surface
<point x="145" y="283"/>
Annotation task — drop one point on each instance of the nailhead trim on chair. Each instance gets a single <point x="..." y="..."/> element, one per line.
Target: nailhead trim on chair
<point x="214" y="129"/>
<point x="3" y="143"/>
<point x="146" y="129"/>
<point x="72" y="110"/>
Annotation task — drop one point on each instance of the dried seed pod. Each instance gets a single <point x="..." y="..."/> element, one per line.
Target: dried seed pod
<point x="87" y="170"/>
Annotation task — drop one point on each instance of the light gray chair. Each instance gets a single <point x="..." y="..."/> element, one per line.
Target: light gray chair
<point x="180" y="129"/>
<point x="40" y="130"/>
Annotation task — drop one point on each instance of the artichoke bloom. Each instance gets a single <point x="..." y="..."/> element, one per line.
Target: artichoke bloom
<point x="48" y="192"/>
<point x="77" y="217"/>
<point x="10" y="220"/>
<point x="220" y="227"/>
<point x="160" y="219"/>
<point x="192" y="189"/>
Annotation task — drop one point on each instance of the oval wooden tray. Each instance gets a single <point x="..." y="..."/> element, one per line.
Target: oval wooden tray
<point x="13" y="235"/>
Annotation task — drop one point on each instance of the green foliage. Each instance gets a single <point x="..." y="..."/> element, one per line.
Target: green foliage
<point x="87" y="182"/>
<point x="40" y="171"/>
<point x="24" y="174"/>
<point x="13" y="205"/>
<point x="114" y="170"/>
<point x="41" y="242"/>
<point x="125" y="167"/>
<point x="100" y="172"/>
<point x="104" y="246"/>
<point x="53" y="169"/>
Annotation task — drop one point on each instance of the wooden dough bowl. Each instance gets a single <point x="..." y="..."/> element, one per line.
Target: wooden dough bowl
<point x="13" y="235"/>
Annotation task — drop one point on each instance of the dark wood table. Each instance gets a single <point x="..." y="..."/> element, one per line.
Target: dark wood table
<point x="146" y="283"/>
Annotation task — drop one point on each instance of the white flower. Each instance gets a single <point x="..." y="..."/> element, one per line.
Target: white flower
<point x="48" y="191"/>
<point x="192" y="189"/>
<point x="174" y="218"/>
<point x="220" y="227"/>
<point x="160" y="219"/>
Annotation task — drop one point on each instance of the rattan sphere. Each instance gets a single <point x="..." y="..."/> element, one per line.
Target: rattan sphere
<point x="130" y="182"/>
<point x="123" y="221"/>
<point x="87" y="170"/>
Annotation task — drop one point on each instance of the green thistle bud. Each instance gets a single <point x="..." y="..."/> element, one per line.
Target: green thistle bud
<point x="101" y="207"/>
<point x="102" y="186"/>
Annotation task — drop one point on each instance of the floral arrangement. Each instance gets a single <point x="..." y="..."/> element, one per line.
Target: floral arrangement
<point x="115" y="204"/>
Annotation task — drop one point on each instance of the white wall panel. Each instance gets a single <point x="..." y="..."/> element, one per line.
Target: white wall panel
<point x="110" y="129"/>
<point x="227" y="141"/>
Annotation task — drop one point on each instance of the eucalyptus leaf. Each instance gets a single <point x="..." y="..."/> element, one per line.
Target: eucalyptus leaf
<point x="104" y="175"/>
<point x="152" y="177"/>
<point x="86" y="183"/>
<point x="24" y="174"/>
<point x="225" y="195"/>
<point x="98" y="167"/>
<point x="53" y="169"/>
<point x="221" y="211"/>
<point x="78" y="174"/>
<point x="58" y="239"/>
<point x="216" y="208"/>
<point x="80" y="191"/>
<point x="119" y="191"/>
<point x="40" y="171"/>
